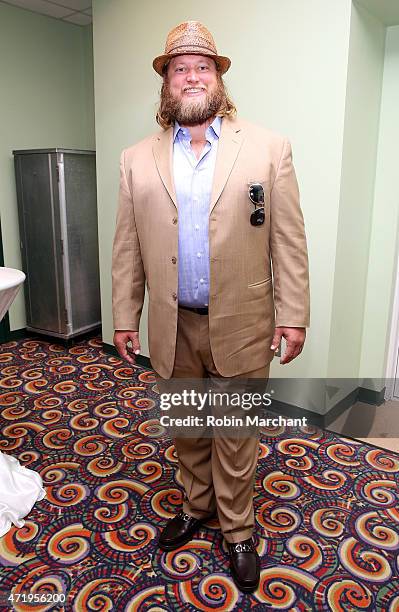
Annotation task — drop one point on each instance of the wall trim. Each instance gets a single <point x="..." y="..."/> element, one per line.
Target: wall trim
<point x="361" y="394"/>
<point x="16" y="334"/>
<point x="20" y="334"/>
<point x="370" y="396"/>
<point x="141" y="360"/>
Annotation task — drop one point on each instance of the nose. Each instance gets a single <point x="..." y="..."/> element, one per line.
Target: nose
<point x="192" y="76"/>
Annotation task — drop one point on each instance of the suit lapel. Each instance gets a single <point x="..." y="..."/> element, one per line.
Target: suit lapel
<point x="163" y="155"/>
<point x="230" y="141"/>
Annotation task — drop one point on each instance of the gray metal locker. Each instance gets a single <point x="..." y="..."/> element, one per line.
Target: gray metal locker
<point x="57" y="211"/>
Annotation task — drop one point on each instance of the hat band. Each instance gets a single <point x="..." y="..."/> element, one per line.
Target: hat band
<point x="191" y="46"/>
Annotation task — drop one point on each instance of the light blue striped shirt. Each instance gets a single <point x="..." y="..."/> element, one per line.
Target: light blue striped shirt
<point x="193" y="183"/>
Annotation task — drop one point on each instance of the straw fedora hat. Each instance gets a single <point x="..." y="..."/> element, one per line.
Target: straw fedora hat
<point x="190" y="37"/>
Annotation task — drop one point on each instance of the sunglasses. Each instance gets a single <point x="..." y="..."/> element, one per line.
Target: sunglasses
<point x="257" y="197"/>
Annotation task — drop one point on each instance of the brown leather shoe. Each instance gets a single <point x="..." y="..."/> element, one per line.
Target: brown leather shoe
<point x="244" y="565"/>
<point x="180" y="530"/>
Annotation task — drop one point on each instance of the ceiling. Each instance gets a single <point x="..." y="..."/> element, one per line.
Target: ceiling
<point x="386" y="11"/>
<point x="79" y="11"/>
<point x="73" y="11"/>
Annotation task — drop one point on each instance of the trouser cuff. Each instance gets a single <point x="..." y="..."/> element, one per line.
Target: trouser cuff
<point x="197" y="515"/>
<point x="238" y="536"/>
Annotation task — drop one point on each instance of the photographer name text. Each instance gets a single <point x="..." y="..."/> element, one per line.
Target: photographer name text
<point x="231" y="421"/>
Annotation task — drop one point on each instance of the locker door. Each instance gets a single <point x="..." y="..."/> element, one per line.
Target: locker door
<point x="40" y="240"/>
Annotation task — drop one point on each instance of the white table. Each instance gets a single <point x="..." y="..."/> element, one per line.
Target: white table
<point x="10" y="282"/>
<point x="20" y="488"/>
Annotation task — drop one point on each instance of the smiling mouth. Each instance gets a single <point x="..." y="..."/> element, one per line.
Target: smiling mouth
<point x="193" y="90"/>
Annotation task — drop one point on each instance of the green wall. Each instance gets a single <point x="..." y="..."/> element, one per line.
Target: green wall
<point x="359" y="156"/>
<point x="321" y="86"/>
<point x="288" y="73"/>
<point x="382" y="268"/>
<point x="46" y="100"/>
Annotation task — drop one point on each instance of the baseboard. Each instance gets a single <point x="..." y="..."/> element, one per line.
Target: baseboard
<point x="318" y="420"/>
<point x="361" y="394"/>
<point x="21" y="334"/>
<point x="340" y="407"/>
<point x="17" y="334"/>
<point x="370" y="396"/>
<point x="141" y="360"/>
<point x="296" y="412"/>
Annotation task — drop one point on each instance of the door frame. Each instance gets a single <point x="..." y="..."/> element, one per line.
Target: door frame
<point x="5" y="322"/>
<point x="393" y="346"/>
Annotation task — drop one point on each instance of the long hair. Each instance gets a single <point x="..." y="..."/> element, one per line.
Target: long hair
<point x="164" y="118"/>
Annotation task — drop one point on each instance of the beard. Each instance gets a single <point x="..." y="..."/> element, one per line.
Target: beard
<point x="192" y="112"/>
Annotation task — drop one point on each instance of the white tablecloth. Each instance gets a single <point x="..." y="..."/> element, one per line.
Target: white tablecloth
<point x="20" y="489"/>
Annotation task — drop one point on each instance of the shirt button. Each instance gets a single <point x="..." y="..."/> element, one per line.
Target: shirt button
<point x="202" y="281"/>
<point x="195" y="200"/>
<point x="198" y="254"/>
<point x="174" y="296"/>
<point x="174" y="220"/>
<point x="174" y="260"/>
<point x="206" y="304"/>
<point x="197" y="226"/>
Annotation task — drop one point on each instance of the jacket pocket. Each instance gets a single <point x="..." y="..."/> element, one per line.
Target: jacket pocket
<point x="261" y="282"/>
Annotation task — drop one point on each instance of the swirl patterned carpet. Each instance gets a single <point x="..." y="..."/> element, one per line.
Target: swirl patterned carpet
<point x="327" y="508"/>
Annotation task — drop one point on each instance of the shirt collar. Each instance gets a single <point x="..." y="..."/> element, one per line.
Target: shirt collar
<point x="211" y="132"/>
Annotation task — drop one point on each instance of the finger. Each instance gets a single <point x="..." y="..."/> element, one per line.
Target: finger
<point x="291" y="353"/>
<point x="135" y="344"/>
<point x="125" y="355"/>
<point x="286" y="358"/>
<point x="276" y="339"/>
<point x="122" y="349"/>
<point x="133" y="338"/>
<point x="132" y="353"/>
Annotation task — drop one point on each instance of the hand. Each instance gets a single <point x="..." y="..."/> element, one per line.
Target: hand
<point x="295" y="338"/>
<point x="121" y="339"/>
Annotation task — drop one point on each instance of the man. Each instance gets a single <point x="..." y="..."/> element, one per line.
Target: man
<point x="207" y="208"/>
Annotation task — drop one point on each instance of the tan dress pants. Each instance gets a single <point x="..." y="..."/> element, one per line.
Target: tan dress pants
<point x="217" y="472"/>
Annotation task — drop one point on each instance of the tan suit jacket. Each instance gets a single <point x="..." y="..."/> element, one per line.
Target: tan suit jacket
<point x="245" y="301"/>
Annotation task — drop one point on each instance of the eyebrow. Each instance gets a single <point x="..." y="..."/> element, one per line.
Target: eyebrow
<point x="202" y="61"/>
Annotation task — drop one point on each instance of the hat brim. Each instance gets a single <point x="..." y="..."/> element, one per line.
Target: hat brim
<point x="223" y="63"/>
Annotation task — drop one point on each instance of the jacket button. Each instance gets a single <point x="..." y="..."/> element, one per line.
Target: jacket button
<point x="174" y="296"/>
<point x="174" y="260"/>
<point x="174" y="220"/>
